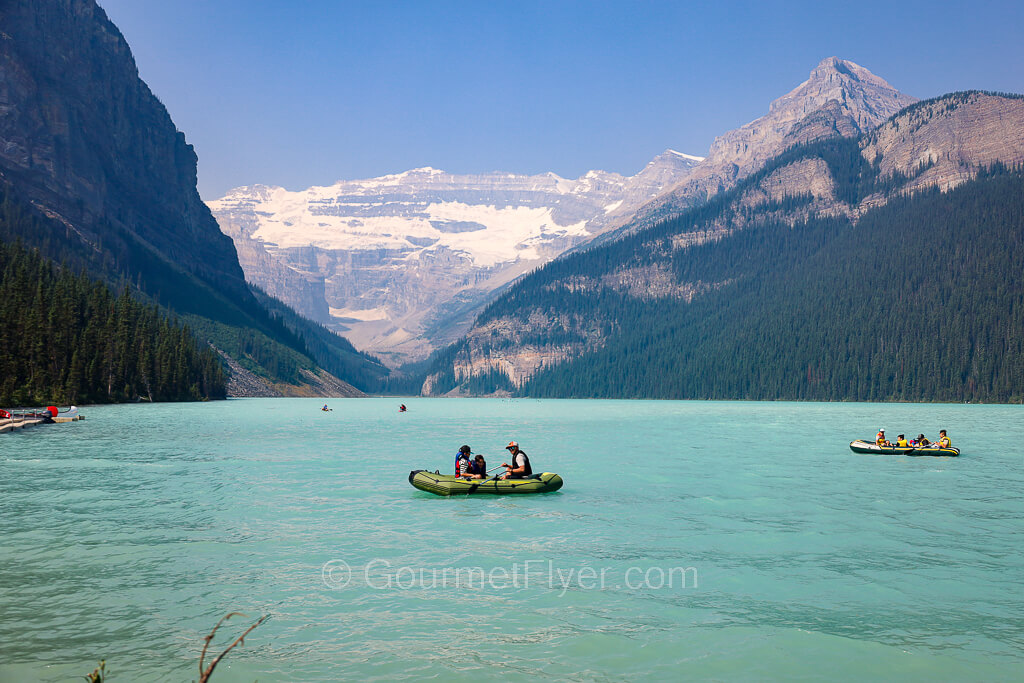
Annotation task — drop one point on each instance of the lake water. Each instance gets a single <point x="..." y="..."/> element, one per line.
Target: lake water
<point x="692" y="540"/>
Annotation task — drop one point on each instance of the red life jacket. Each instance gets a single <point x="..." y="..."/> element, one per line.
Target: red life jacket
<point x="460" y="458"/>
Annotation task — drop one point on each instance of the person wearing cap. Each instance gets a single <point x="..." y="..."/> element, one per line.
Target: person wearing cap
<point x="520" y="467"/>
<point x="880" y="439"/>
<point x="462" y="460"/>
<point x="921" y="440"/>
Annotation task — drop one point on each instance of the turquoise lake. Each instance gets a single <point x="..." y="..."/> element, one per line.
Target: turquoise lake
<point x="731" y="541"/>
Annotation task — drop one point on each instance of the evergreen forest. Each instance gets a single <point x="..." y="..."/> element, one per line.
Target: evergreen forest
<point x="920" y="300"/>
<point x="67" y="338"/>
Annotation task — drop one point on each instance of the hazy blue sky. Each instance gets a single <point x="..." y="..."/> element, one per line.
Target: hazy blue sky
<point x="305" y="93"/>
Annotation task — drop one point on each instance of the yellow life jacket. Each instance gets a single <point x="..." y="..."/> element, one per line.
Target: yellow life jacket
<point x="902" y="443"/>
<point x="945" y="442"/>
<point x="879" y="438"/>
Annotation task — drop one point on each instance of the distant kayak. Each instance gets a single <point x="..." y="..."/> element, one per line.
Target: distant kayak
<point x="861" y="446"/>
<point x="450" y="485"/>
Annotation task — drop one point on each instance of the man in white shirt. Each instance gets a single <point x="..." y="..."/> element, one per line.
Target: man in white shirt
<point x="520" y="467"/>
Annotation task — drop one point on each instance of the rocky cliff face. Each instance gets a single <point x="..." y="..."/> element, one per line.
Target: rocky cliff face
<point x="953" y="136"/>
<point x="84" y="139"/>
<point x="941" y="143"/>
<point x="839" y="98"/>
<point x="400" y="264"/>
<point x="85" y="143"/>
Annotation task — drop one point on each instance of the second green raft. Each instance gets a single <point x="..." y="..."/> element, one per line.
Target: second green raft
<point x="450" y="485"/>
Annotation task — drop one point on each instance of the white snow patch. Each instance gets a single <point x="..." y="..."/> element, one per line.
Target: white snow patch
<point x="363" y="314"/>
<point x="287" y="220"/>
<point x="687" y="156"/>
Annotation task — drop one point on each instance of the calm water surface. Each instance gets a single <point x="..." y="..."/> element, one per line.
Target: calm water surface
<point x="701" y="540"/>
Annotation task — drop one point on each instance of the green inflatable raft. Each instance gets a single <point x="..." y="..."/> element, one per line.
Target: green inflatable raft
<point x="450" y="485"/>
<point x="861" y="446"/>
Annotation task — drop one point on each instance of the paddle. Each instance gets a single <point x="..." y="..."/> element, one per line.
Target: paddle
<point x="487" y="472"/>
<point x="484" y="481"/>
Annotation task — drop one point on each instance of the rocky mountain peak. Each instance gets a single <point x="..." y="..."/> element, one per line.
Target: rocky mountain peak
<point x="865" y="98"/>
<point x="852" y="92"/>
<point x="666" y="169"/>
<point x="838" y="99"/>
<point x="834" y="69"/>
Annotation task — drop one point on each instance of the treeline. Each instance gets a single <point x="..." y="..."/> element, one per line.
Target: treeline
<point x="921" y="300"/>
<point x="331" y="351"/>
<point x="66" y="338"/>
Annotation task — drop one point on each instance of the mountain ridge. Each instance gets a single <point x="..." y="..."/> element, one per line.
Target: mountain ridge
<point x="837" y="178"/>
<point x="401" y="263"/>
<point x="838" y="98"/>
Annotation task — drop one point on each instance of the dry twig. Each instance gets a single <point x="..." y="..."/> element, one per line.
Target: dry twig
<point x="204" y="675"/>
<point x="98" y="674"/>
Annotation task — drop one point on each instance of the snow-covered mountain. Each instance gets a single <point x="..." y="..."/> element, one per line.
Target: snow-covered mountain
<point x="401" y="264"/>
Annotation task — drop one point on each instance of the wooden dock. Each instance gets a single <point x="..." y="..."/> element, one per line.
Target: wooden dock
<point x="10" y="424"/>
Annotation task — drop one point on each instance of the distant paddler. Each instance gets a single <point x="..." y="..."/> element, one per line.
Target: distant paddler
<point x="401" y="408"/>
<point x="326" y="409"/>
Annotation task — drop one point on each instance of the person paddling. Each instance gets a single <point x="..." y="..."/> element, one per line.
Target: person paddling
<point x="520" y="467"/>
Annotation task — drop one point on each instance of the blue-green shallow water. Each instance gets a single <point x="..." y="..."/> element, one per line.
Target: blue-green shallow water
<point x="128" y="535"/>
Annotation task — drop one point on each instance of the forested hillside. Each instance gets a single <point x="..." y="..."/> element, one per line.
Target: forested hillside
<point x="920" y="300"/>
<point x="790" y="297"/>
<point x="605" y="301"/>
<point x="332" y="352"/>
<point x="66" y="338"/>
